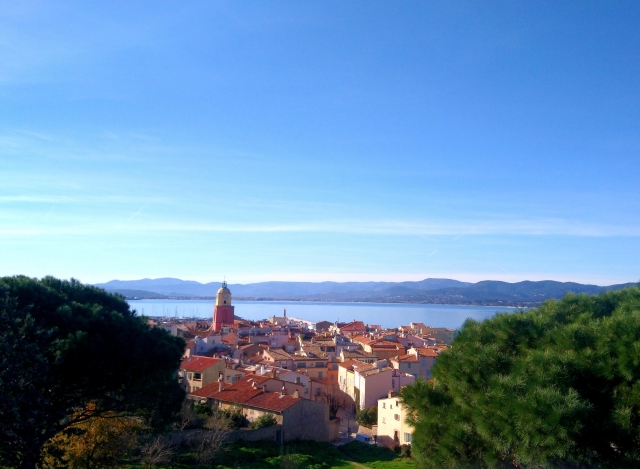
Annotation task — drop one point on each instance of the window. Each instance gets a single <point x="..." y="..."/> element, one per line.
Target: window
<point x="396" y="417"/>
<point x="424" y="362"/>
<point x="302" y="364"/>
<point x="320" y="375"/>
<point x="319" y="365"/>
<point x="407" y="437"/>
<point x="384" y="405"/>
<point x="189" y="375"/>
<point x="331" y="377"/>
<point x="197" y="376"/>
<point x="397" y="403"/>
<point x="428" y="372"/>
<point x="408" y="365"/>
<point x="384" y="420"/>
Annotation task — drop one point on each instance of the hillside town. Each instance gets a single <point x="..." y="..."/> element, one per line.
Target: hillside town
<point x="311" y="377"/>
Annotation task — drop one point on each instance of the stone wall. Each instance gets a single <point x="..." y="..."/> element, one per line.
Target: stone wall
<point x="272" y="433"/>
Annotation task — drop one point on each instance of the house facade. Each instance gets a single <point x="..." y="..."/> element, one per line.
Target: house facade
<point x="393" y="428"/>
<point x="197" y="372"/>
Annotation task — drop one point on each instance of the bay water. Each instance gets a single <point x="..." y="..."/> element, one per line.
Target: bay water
<point x="387" y="315"/>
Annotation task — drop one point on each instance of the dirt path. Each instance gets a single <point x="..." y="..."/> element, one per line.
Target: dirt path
<point x="355" y="464"/>
<point x="358" y="465"/>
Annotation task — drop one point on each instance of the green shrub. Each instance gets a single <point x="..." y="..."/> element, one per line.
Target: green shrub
<point x="265" y="420"/>
<point x="368" y="417"/>
<point x="235" y="418"/>
<point x="405" y="451"/>
<point x="202" y="410"/>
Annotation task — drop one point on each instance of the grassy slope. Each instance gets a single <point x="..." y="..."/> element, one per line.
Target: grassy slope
<point x="304" y="454"/>
<point x="300" y="455"/>
<point x="375" y="457"/>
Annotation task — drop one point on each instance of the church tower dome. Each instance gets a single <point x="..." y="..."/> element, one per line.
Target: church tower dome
<point x="223" y="297"/>
<point x="223" y="312"/>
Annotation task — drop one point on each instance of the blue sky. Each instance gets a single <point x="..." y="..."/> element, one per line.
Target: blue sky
<point x="320" y="140"/>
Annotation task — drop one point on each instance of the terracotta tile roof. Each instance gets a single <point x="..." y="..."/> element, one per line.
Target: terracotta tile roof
<point x="374" y="371"/>
<point x="239" y="392"/>
<point x="243" y="392"/>
<point x="350" y="364"/>
<point x="229" y="339"/>
<point x="198" y="363"/>
<point x="405" y="358"/>
<point x="427" y="352"/>
<point x="384" y="344"/>
<point x="244" y="347"/>
<point x="321" y="340"/>
<point x="353" y="326"/>
<point x="273" y="401"/>
<point x="361" y="367"/>
<point x="357" y="354"/>
<point x="314" y="351"/>
<point x="278" y="354"/>
<point x="363" y="339"/>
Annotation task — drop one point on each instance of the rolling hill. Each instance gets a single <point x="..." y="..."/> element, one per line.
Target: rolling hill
<point x="431" y="290"/>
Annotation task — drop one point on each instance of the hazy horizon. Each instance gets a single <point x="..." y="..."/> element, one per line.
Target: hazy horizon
<point x="381" y="279"/>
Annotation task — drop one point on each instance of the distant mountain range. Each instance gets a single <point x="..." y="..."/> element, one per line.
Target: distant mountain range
<point x="431" y="290"/>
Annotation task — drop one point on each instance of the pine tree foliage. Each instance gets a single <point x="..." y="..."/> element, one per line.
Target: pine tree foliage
<point x="70" y="353"/>
<point x="556" y="386"/>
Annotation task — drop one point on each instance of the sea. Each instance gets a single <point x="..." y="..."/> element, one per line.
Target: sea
<point x="387" y="315"/>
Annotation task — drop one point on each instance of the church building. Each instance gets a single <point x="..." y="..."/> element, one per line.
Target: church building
<point x="223" y="312"/>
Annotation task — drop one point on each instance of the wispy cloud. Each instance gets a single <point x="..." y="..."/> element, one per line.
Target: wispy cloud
<point x="355" y="227"/>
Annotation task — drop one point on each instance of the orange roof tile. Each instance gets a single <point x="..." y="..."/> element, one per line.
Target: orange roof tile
<point x="405" y="358"/>
<point x="198" y="363"/>
<point x="244" y="392"/>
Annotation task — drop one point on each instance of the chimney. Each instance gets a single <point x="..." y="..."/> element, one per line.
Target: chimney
<point x="275" y="372"/>
<point x="264" y="388"/>
<point x="220" y="383"/>
<point x="391" y="394"/>
<point x="296" y="394"/>
<point x="283" y="391"/>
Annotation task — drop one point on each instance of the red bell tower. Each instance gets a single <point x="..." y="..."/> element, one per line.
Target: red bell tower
<point x="222" y="311"/>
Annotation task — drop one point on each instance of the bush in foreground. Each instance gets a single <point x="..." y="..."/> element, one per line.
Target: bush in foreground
<point x="556" y="386"/>
<point x="70" y="353"/>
